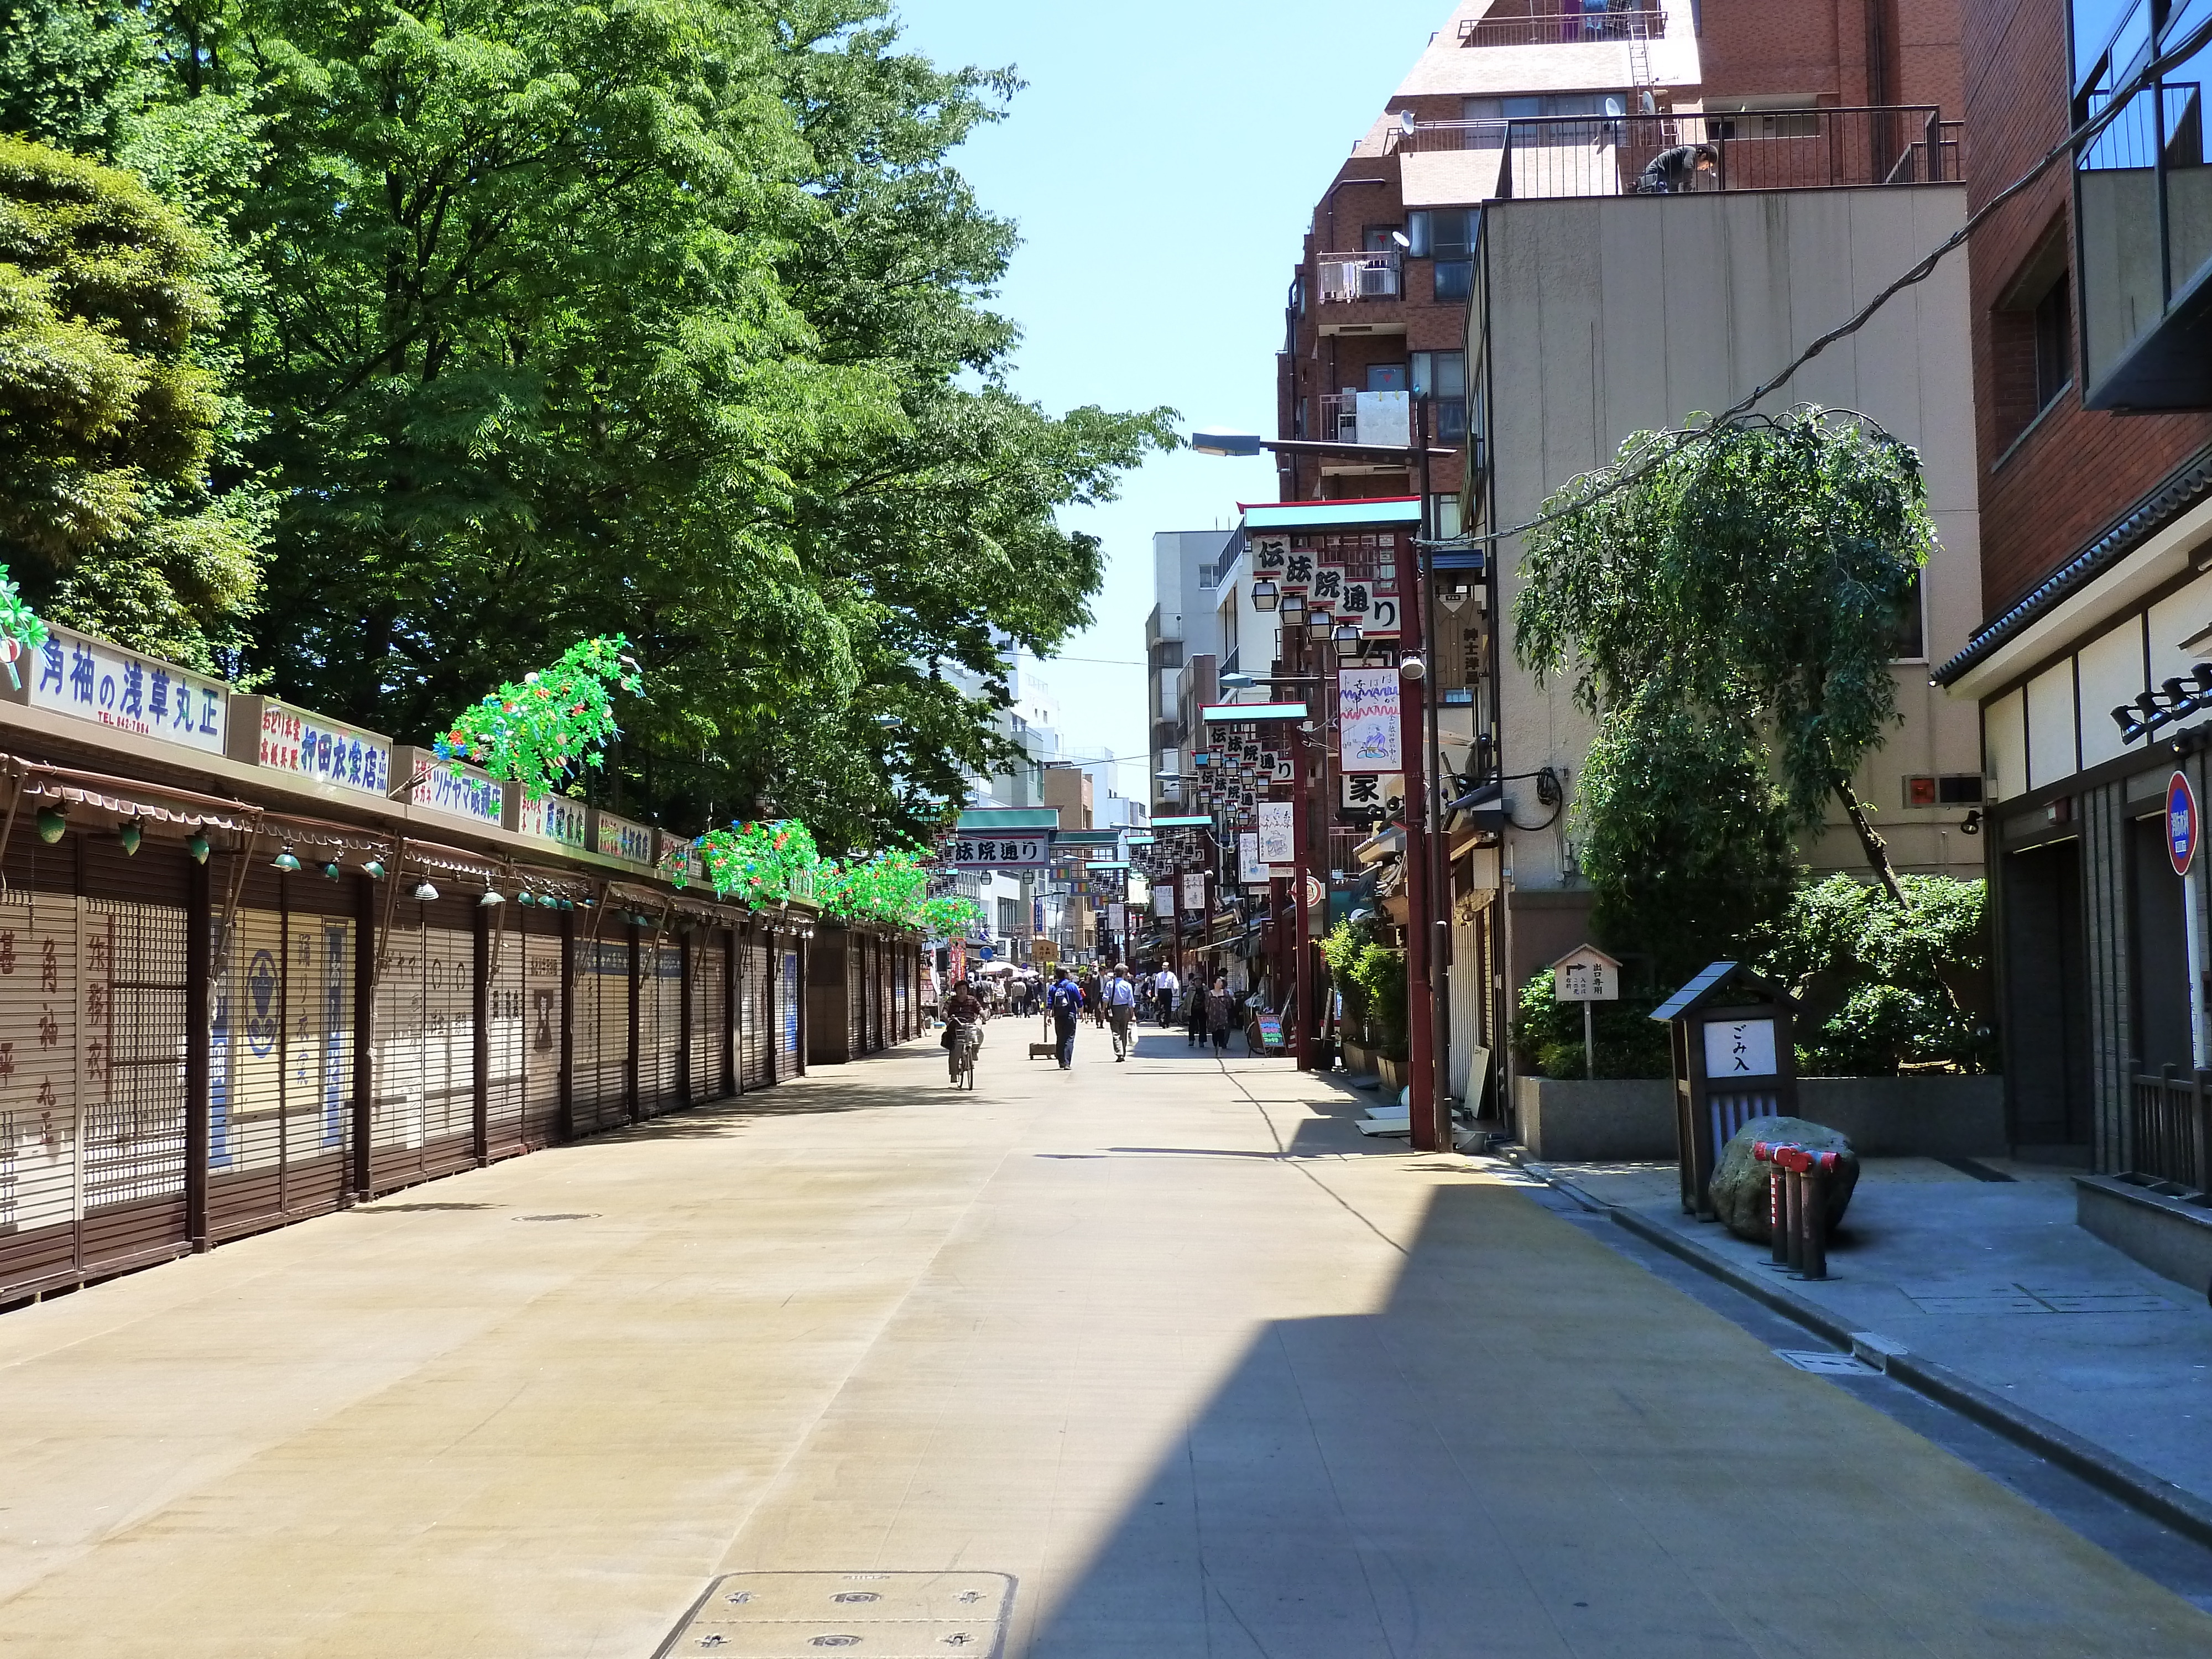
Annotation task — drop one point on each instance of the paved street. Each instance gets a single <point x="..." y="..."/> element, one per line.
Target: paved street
<point x="1166" y="1342"/>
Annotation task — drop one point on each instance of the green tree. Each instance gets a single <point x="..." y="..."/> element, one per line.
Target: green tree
<point x="108" y="420"/>
<point x="1728" y="609"/>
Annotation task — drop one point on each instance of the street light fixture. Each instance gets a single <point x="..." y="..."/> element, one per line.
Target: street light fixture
<point x="1293" y="608"/>
<point x="1266" y="595"/>
<point x="1349" y="643"/>
<point x="1319" y="622"/>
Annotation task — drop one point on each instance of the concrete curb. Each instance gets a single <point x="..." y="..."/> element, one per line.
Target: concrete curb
<point x="2170" y="1505"/>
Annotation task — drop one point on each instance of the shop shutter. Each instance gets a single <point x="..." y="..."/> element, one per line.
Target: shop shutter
<point x="318" y="997"/>
<point x="38" y="1183"/>
<point x="449" y="961"/>
<point x="246" y="1060"/>
<point x="505" y="1008"/>
<point x="856" y="1001"/>
<point x="603" y="1008"/>
<point x="793" y="979"/>
<point x="659" y="1024"/>
<point x="543" y="1008"/>
<point x="755" y="1012"/>
<point x="397" y="1123"/>
<point x="709" y="963"/>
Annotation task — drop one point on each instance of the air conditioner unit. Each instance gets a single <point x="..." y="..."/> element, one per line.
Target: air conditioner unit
<point x="1377" y="281"/>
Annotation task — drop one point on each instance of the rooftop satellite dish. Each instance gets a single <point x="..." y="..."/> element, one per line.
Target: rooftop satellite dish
<point x="1614" y="106"/>
<point x="1405" y="120"/>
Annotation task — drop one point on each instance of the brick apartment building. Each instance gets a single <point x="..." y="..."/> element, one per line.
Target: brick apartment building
<point x="1528" y="114"/>
<point x="2092" y="380"/>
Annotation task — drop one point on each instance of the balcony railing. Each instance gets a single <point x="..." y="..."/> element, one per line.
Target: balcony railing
<point x="2170" y="1127"/>
<point x="1348" y="277"/>
<point x="1563" y="28"/>
<point x="1762" y="150"/>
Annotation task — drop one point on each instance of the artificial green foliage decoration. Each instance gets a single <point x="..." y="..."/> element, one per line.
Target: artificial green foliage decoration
<point x="1751" y="586"/>
<point x="19" y="625"/>
<point x="758" y="863"/>
<point x="553" y="722"/>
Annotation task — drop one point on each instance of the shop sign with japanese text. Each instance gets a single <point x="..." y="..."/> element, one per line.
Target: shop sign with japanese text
<point x="308" y="746"/>
<point x="615" y="837"/>
<point x="457" y="791"/>
<point x="553" y="818"/>
<point x="90" y="679"/>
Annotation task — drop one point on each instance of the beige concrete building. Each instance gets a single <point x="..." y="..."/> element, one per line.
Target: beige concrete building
<point x="1592" y="319"/>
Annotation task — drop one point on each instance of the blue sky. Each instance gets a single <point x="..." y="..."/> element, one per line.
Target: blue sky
<point x="1162" y="166"/>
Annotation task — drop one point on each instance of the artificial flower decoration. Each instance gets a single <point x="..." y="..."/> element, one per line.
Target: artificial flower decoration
<point x="541" y="730"/>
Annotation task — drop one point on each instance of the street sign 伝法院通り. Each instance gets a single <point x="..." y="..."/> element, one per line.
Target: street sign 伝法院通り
<point x="1015" y="851"/>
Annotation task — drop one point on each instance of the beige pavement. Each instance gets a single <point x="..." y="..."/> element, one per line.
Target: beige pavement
<point x="1167" y="1342"/>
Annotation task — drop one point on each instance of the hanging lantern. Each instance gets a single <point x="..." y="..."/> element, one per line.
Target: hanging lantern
<point x="51" y="824"/>
<point x="130" y="834"/>
<point x="285" y="861"/>
<point x="373" y="869"/>
<point x="331" y="870"/>
<point x="425" y="892"/>
<point x="197" y="846"/>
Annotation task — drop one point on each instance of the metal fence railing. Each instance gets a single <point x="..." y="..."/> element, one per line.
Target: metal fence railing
<point x="1371" y="275"/>
<point x="2169" y="1125"/>
<point x="1549" y="156"/>
<point x="1563" y="28"/>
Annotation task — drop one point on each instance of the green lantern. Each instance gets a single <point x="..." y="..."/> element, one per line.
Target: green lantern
<point x="51" y="824"/>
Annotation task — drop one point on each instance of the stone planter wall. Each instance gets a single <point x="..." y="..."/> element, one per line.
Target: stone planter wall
<point x="1632" y="1120"/>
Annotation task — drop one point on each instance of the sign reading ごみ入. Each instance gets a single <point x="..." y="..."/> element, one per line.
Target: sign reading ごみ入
<point x="89" y="679"/>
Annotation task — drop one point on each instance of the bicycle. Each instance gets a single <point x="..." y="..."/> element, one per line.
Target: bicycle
<point x="960" y="1054"/>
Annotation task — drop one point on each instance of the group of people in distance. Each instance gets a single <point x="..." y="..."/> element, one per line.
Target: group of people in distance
<point x="1117" y="1001"/>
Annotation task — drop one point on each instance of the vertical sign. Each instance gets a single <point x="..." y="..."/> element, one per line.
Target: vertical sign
<point x="2183" y="829"/>
<point x="1163" y="901"/>
<point x="1250" y="869"/>
<point x="1194" y="893"/>
<point x="1277" y="845"/>
<point x="1369" y="720"/>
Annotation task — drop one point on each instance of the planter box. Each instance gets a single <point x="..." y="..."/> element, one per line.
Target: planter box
<point x="1632" y="1120"/>
<point x="1393" y="1073"/>
<point x="2169" y="1233"/>
<point x="1358" y="1060"/>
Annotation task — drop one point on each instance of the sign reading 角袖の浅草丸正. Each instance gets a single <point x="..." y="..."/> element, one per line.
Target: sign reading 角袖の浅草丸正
<point x="89" y="679"/>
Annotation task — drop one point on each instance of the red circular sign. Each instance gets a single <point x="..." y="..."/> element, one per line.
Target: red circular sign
<point x="2182" y="823"/>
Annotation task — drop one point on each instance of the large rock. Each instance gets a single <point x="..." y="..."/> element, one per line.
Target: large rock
<point x="1739" y="1184"/>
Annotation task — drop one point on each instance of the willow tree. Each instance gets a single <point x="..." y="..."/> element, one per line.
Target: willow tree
<point x="1728" y="606"/>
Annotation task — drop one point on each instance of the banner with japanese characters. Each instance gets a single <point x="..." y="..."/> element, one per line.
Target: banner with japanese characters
<point x="1193" y="895"/>
<point x="1278" y="843"/>
<point x="1369" y="717"/>
<point x="89" y="679"/>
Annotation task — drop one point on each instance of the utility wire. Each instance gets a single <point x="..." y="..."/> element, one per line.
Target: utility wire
<point x="1676" y="442"/>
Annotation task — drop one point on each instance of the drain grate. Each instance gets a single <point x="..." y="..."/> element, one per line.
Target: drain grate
<point x="1944" y="1296"/>
<point x="1821" y="1363"/>
<point x="576" y="1215"/>
<point x="871" y="1615"/>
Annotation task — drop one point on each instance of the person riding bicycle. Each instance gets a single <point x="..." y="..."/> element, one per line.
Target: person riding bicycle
<point x="963" y="1029"/>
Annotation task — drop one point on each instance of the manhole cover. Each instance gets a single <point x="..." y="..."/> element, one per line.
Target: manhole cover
<point x="870" y="1615"/>
<point x="580" y="1215"/>
<point x="1822" y="1364"/>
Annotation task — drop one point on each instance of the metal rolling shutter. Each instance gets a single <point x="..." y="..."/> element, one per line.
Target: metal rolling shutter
<point x="131" y="1041"/>
<point x="449" y="965"/>
<point x="755" y="1012"/>
<point x="856" y="1000"/>
<point x="38" y="1183"/>
<point x="543" y="1008"/>
<point x="396" y="1115"/>
<point x="506" y="1007"/>
<point x="709" y="964"/>
<point x="660" y="1084"/>
<point x="318" y="989"/>
<point x="246" y="1060"/>
<point x="603" y="1011"/>
<point x="788" y="1004"/>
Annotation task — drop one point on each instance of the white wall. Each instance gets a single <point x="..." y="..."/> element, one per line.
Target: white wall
<point x="1610" y="315"/>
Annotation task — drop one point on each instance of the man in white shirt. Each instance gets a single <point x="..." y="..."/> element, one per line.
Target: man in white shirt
<point x="1164" y="986"/>
<point x="1120" y="1009"/>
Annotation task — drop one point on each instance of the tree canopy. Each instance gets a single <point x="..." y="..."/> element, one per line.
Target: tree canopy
<point x="663" y="318"/>
<point x="1728" y="610"/>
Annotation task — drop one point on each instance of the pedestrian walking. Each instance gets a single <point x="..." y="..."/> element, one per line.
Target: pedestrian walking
<point x="1194" y="1012"/>
<point x="1066" y="1001"/>
<point x="1220" y="1014"/>
<point x="1121" y="1010"/>
<point x="1164" y="986"/>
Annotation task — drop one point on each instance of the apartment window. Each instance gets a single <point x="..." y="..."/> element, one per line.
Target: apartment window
<point x="1908" y="636"/>
<point x="1440" y="377"/>
<point x="2032" y="338"/>
<point x="1446" y="236"/>
<point x="1229" y="629"/>
<point x="1381" y="238"/>
<point x="1011" y="919"/>
<point x="1386" y="377"/>
<point x="1443" y="514"/>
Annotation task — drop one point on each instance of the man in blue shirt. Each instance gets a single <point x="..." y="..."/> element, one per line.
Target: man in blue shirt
<point x="1065" y="1000"/>
<point x="1120" y="1009"/>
